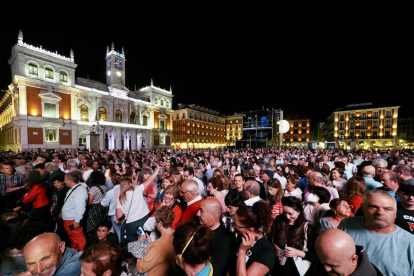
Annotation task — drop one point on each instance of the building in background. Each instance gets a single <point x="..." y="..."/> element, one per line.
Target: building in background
<point x="197" y="127"/>
<point x="299" y="132"/>
<point x="46" y="107"/>
<point x="363" y="126"/>
<point x="405" y="131"/>
<point x="234" y="126"/>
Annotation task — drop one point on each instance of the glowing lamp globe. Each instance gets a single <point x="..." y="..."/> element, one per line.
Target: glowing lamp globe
<point x="284" y="126"/>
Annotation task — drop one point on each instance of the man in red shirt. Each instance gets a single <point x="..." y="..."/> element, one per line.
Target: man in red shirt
<point x="189" y="192"/>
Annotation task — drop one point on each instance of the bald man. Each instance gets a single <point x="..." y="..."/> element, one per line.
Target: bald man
<point x="209" y="215"/>
<point x="46" y="255"/>
<point x="368" y="172"/>
<point x="338" y="255"/>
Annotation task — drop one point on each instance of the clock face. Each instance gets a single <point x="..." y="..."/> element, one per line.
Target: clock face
<point x="118" y="73"/>
<point x="118" y="64"/>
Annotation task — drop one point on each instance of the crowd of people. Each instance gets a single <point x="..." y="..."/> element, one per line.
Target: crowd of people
<point x="201" y="212"/>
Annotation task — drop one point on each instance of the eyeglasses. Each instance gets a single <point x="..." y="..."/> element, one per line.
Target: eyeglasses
<point x="346" y="206"/>
<point x="235" y="226"/>
<point x="178" y="257"/>
<point x="168" y="198"/>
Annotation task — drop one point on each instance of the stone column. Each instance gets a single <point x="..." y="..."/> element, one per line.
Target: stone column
<point x="133" y="139"/>
<point x="74" y="107"/>
<point x="22" y="100"/>
<point x="118" y="138"/>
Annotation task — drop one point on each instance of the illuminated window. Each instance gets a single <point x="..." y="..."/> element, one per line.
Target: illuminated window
<point x="102" y="114"/>
<point x="118" y="116"/>
<point x="162" y="139"/>
<point x="33" y="69"/>
<point x="50" y="110"/>
<point x="162" y="124"/>
<point x="84" y="113"/>
<point x="50" y="135"/>
<point x="145" y="120"/>
<point x="132" y="118"/>
<point x="48" y="73"/>
<point x="63" y="76"/>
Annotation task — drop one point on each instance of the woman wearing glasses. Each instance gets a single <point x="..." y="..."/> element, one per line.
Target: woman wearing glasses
<point x="255" y="255"/>
<point x="193" y="245"/>
<point x="340" y="209"/>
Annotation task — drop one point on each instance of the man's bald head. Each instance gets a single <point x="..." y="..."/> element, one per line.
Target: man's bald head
<point x="251" y="188"/>
<point x="43" y="254"/>
<point x="368" y="171"/>
<point x="336" y="251"/>
<point x="213" y="206"/>
<point x="209" y="213"/>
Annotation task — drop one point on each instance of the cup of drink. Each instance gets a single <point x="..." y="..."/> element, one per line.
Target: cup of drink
<point x="282" y="257"/>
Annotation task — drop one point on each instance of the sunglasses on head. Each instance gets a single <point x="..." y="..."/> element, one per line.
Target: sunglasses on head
<point x="178" y="257"/>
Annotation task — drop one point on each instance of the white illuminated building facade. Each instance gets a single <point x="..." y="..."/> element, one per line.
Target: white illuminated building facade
<point x="46" y="107"/>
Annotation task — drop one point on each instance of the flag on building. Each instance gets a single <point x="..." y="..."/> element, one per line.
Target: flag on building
<point x="123" y="110"/>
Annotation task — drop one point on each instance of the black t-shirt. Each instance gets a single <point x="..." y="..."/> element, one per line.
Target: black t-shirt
<point x="263" y="253"/>
<point x="405" y="218"/>
<point x="221" y="250"/>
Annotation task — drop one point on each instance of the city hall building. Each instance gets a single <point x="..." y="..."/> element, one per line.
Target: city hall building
<point x="47" y="107"/>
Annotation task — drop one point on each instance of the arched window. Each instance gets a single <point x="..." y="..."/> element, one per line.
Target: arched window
<point x="145" y="120"/>
<point x="132" y="118"/>
<point x="118" y="116"/>
<point x="84" y="113"/>
<point x="162" y="102"/>
<point x="48" y="73"/>
<point x="102" y="114"/>
<point x="63" y="76"/>
<point x="167" y="103"/>
<point x="33" y="69"/>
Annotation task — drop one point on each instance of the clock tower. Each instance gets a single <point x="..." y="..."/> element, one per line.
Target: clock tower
<point x="115" y="66"/>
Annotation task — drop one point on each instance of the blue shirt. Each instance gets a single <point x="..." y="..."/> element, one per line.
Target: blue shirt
<point x="206" y="270"/>
<point x="70" y="265"/>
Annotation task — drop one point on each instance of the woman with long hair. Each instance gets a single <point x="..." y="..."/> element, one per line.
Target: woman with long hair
<point x="36" y="201"/>
<point x="290" y="237"/>
<point x="95" y="212"/>
<point x="233" y="201"/>
<point x="354" y="192"/>
<point x="132" y="207"/>
<point x="227" y="167"/>
<point x="255" y="255"/>
<point x="151" y="191"/>
<point x="274" y="197"/>
<point x="340" y="209"/>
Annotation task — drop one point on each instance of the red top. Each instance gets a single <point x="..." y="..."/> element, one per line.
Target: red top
<point x="190" y="212"/>
<point x="356" y="202"/>
<point x="38" y="194"/>
<point x="178" y="211"/>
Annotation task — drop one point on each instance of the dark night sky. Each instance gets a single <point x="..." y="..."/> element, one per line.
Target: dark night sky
<point x="308" y="58"/>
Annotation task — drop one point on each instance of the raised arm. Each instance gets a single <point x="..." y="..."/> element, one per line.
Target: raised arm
<point x="152" y="178"/>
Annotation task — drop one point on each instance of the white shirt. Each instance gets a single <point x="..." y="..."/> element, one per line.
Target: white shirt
<point x="296" y="193"/>
<point x="194" y="200"/>
<point x="281" y="179"/>
<point x="251" y="201"/>
<point x="75" y="203"/>
<point x="86" y="174"/>
<point x="135" y="207"/>
<point x="200" y="185"/>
